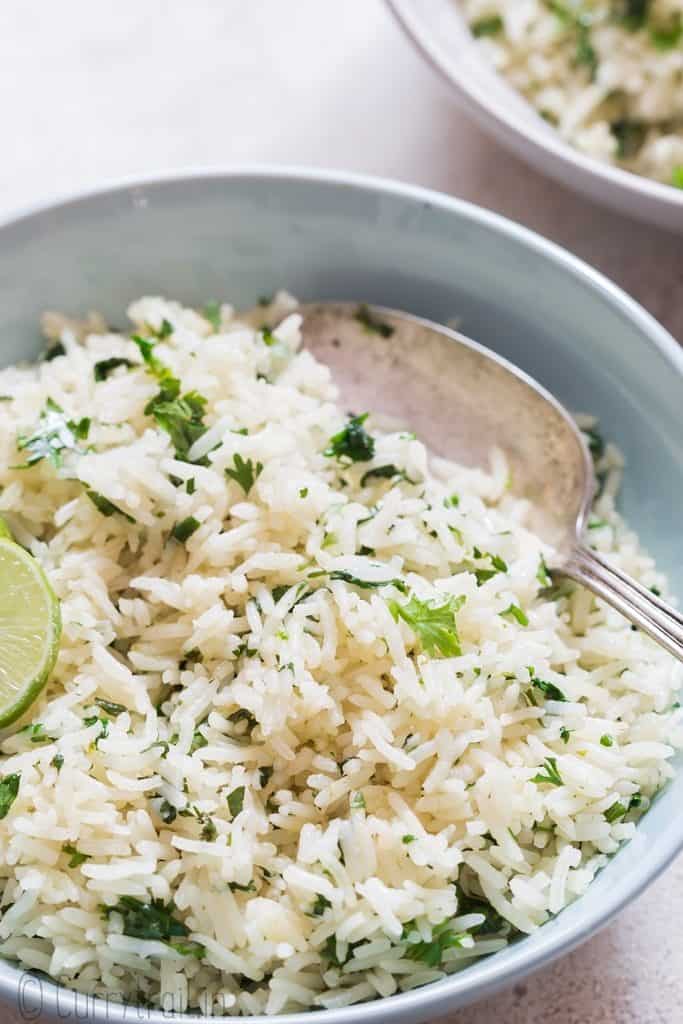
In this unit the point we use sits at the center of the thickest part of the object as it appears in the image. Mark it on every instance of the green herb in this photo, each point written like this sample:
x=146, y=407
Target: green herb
x=153, y=921
x=492, y=924
x=565, y=734
x=167, y=812
x=57, y=761
x=265, y=774
x=212, y=313
x=236, y=887
x=36, y=733
x=110, y=706
x=630, y=136
x=168, y=383
x=53, y=436
x=352, y=442
x=358, y=801
x=165, y=331
x=542, y=574
x=381, y=473
x=552, y=776
x=632, y=14
x=183, y=530
x=236, y=801
x=667, y=35
x=616, y=811
x=434, y=624
x=372, y=323
x=516, y=612
x=606, y=741
x=320, y=906
x=303, y=493
x=76, y=856
x=105, y=506
x=597, y=524
x=245, y=473
x=483, y=575
x=551, y=691
x=268, y=337
x=209, y=830
x=347, y=577
x=102, y=369
x=407, y=839
x=9, y=787
x=431, y=953
x=677, y=177
x=54, y=351
x=579, y=21
x=183, y=421
x=103, y=723
x=194, y=949
x=488, y=26
x=198, y=741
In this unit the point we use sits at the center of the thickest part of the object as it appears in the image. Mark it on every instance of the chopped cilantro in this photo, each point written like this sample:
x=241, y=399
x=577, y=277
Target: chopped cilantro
x=9, y=787
x=579, y=21
x=153, y=921
x=190, y=486
x=76, y=856
x=167, y=812
x=57, y=761
x=372, y=323
x=244, y=472
x=352, y=442
x=552, y=776
x=616, y=811
x=165, y=331
x=565, y=734
x=182, y=419
x=492, y=924
x=434, y=624
x=632, y=14
x=265, y=774
x=105, y=506
x=53, y=351
x=237, y=887
x=630, y=136
x=104, y=367
x=110, y=706
x=548, y=689
x=198, y=741
x=268, y=337
x=516, y=612
x=53, y=436
x=358, y=801
x=212, y=313
x=183, y=530
x=194, y=949
x=667, y=35
x=491, y=25
x=235, y=801
x=606, y=741
x=320, y=906
x=542, y=574
x=431, y=952
x=407, y=839
x=303, y=492
x=347, y=577
x=381, y=473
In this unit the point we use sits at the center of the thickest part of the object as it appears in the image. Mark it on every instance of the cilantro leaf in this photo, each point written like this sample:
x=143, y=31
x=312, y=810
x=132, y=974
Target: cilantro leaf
x=53, y=351
x=552, y=776
x=53, y=436
x=110, y=706
x=212, y=313
x=153, y=921
x=667, y=35
x=182, y=419
x=9, y=787
x=57, y=761
x=105, y=506
x=76, y=856
x=630, y=136
x=488, y=26
x=565, y=733
x=236, y=801
x=434, y=624
x=352, y=442
x=516, y=612
x=347, y=577
x=548, y=689
x=168, y=383
x=244, y=472
x=372, y=323
x=431, y=952
x=616, y=811
x=183, y=530
x=381, y=473
x=104, y=367
x=320, y=906
x=542, y=574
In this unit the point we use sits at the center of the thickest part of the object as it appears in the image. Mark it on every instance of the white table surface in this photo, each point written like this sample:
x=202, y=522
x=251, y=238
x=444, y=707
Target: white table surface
x=92, y=90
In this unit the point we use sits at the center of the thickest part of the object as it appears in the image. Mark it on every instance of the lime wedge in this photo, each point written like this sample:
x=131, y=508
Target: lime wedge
x=30, y=628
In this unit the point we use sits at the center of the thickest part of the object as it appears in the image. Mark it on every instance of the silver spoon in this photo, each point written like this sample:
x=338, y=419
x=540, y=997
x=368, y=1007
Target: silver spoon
x=461, y=399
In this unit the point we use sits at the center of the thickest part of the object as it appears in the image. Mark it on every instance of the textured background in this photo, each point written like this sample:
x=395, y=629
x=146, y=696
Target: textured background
x=91, y=90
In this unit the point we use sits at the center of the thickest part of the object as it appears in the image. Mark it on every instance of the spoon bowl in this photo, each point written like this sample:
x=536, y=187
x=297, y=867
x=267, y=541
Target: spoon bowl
x=462, y=399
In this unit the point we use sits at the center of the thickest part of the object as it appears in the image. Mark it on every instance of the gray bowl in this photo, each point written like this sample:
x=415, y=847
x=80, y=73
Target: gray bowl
x=240, y=233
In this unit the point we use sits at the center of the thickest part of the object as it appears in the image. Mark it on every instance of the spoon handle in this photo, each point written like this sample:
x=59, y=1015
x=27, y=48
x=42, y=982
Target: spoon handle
x=639, y=605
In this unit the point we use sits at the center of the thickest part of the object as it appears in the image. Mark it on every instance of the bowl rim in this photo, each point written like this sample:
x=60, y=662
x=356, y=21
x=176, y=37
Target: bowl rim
x=532, y=132
x=36, y=995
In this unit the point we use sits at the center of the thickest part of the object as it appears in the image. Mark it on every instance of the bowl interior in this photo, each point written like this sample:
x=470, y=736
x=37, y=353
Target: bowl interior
x=241, y=235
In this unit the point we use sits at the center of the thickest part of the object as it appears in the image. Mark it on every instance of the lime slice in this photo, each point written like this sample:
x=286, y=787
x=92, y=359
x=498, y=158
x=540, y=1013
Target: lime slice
x=30, y=628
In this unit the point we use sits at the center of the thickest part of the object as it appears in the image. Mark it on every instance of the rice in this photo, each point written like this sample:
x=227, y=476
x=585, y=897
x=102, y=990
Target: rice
x=608, y=74
x=319, y=730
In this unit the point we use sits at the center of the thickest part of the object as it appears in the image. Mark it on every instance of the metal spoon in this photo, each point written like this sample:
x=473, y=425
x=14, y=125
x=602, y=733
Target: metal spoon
x=461, y=399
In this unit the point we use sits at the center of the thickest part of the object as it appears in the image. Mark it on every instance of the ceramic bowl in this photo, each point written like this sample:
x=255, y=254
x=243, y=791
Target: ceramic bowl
x=439, y=30
x=241, y=233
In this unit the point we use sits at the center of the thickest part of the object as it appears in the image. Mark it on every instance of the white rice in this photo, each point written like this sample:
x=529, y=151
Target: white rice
x=396, y=783
x=607, y=73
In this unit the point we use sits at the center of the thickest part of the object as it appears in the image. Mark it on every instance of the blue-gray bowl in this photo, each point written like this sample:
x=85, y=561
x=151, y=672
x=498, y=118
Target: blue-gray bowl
x=240, y=233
